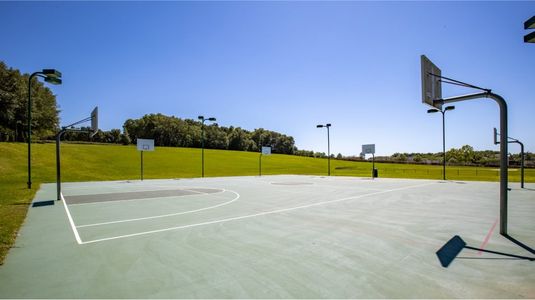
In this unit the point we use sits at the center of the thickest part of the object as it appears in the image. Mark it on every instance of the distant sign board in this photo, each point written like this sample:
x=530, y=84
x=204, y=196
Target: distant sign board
x=266, y=150
x=368, y=149
x=145, y=145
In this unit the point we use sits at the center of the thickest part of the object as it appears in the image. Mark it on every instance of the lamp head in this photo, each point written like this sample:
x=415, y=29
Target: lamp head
x=319, y=126
x=53, y=80
x=449, y=107
x=328, y=125
x=433, y=110
x=52, y=73
x=211, y=119
x=200, y=118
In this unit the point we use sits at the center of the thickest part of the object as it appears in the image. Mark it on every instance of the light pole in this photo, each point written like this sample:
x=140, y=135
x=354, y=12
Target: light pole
x=434, y=110
x=51, y=76
x=328, y=147
x=202, y=139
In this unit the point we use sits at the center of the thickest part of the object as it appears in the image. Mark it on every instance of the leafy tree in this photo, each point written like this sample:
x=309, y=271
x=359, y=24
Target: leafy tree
x=238, y=139
x=9, y=127
x=320, y=154
x=125, y=137
x=13, y=106
x=115, y=135
x=304, y=153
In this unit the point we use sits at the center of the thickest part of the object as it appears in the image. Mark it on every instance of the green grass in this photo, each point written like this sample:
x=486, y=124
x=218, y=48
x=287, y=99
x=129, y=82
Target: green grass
x=86, y=162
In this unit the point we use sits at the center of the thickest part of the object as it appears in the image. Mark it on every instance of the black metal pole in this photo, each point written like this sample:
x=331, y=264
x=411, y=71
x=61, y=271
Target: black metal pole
x=521, y=165
x=373, y=165
x=54, y=80
x=503, y=162
x=504, y=178
x=443, y=145
x=260, y=158
x=328, y=153
x=30, y=129
x=58, y=164
x=202, y=147
x=521, y=161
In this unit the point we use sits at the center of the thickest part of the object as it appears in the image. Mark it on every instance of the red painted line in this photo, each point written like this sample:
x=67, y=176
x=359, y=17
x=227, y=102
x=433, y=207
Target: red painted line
x=487, y=238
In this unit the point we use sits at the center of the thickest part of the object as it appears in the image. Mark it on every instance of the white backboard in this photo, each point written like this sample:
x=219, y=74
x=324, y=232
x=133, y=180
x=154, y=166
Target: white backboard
x=266, y=150
x=431, y=84
x=368, y=149
x=145, y=145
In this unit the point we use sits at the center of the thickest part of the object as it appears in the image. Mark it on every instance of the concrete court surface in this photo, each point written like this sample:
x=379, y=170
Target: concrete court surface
x=271, y=237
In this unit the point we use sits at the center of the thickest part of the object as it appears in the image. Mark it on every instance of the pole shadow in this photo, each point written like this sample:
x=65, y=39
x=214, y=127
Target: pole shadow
x=519, y=243
x=43, y=203
x=489, y=258
x=447, y=253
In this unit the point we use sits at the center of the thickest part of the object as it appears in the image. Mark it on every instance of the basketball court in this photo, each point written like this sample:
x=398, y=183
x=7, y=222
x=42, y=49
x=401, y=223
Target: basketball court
x=271, y=237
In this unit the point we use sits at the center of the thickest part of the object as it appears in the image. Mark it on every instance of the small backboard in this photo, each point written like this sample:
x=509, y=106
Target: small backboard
x=94, y=119
x=145, y=145
x=431, y=84
x=266, y=150
x=368, y=149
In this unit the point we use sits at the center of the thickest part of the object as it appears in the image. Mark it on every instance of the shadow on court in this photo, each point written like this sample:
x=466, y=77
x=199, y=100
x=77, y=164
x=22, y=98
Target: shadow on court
x=456, y=244
x=43, y=203
x=519, y=243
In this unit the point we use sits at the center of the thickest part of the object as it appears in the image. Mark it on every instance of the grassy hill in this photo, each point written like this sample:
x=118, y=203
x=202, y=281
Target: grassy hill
x=87, y=162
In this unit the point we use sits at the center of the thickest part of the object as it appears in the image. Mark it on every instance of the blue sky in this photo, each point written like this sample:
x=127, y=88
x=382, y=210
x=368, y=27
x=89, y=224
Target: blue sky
x=285, y=66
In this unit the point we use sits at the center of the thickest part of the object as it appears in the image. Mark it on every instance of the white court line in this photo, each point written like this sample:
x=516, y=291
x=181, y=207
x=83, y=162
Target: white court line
x=76, y=235
x=254, y=215
x=351, y=187
x=166, y=215
x=143, y=199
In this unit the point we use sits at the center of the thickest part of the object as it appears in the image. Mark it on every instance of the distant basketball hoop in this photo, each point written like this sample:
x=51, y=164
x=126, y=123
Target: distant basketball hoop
x=142, y=146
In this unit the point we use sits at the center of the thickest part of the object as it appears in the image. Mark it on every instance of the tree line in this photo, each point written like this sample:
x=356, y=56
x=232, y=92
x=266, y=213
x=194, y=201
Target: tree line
x=14, y=107
x=165, y=130
x=171, y=131
x=175, y=132
x=465, y=156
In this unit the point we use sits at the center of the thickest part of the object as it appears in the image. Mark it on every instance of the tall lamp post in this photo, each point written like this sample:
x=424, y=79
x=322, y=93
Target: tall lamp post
x=434, y=110
x=328, y=147
x=51, y=76
x=202, y=139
